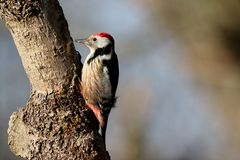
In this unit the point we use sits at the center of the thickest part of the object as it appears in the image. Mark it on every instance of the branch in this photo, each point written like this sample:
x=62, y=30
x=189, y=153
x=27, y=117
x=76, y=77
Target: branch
x=54, y=124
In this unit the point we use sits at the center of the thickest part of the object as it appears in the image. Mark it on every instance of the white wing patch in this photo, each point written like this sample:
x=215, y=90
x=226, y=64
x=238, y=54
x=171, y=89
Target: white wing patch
x=106, y=56
x=106, y=82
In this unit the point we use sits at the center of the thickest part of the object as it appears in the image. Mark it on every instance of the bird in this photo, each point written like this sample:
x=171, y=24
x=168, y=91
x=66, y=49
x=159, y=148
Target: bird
x=99, y=78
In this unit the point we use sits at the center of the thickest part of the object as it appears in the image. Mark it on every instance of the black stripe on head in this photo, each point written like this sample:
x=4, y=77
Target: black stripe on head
x=100, y=51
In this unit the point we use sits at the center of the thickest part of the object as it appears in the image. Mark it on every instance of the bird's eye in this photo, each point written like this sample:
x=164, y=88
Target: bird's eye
x=94, y=39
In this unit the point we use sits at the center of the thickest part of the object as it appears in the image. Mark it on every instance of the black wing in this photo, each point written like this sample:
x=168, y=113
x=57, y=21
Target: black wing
x=113, y=69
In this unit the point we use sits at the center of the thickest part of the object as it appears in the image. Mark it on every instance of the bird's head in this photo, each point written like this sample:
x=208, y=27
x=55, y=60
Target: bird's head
x=97, y=40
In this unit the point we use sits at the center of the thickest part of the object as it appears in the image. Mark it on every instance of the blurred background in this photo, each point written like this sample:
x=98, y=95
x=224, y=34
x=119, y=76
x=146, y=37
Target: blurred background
x=179, y=89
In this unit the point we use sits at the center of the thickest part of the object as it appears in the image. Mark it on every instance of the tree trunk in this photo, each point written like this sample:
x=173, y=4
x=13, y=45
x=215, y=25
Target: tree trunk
x=54, y=124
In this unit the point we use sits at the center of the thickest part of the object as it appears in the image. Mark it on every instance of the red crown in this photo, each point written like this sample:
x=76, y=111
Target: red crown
x=104, y=34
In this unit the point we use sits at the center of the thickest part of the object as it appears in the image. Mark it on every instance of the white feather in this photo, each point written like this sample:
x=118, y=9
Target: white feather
x=102, y=42
x=106, y=82
x=89, y=56
x=106, y=56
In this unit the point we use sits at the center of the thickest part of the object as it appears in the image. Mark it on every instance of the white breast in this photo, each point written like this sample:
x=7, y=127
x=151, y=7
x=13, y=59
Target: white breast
x=96, y=83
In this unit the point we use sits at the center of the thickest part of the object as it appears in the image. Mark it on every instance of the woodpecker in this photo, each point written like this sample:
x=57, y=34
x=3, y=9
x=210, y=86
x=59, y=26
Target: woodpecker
x=99, y=79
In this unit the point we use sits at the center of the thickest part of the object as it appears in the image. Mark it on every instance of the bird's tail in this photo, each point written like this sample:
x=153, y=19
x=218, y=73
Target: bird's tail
x=105, y=111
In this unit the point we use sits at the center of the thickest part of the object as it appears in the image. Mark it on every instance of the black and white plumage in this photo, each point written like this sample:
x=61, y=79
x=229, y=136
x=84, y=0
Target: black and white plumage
x=100, y=74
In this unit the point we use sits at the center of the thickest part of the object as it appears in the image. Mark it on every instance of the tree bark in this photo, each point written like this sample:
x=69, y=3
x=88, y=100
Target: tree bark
x=54, y=124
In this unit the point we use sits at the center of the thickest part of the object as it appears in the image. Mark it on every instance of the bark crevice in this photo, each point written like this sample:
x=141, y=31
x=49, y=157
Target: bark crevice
x=54, y=124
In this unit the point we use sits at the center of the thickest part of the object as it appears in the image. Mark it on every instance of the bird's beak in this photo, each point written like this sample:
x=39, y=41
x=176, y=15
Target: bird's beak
x=83, y=41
